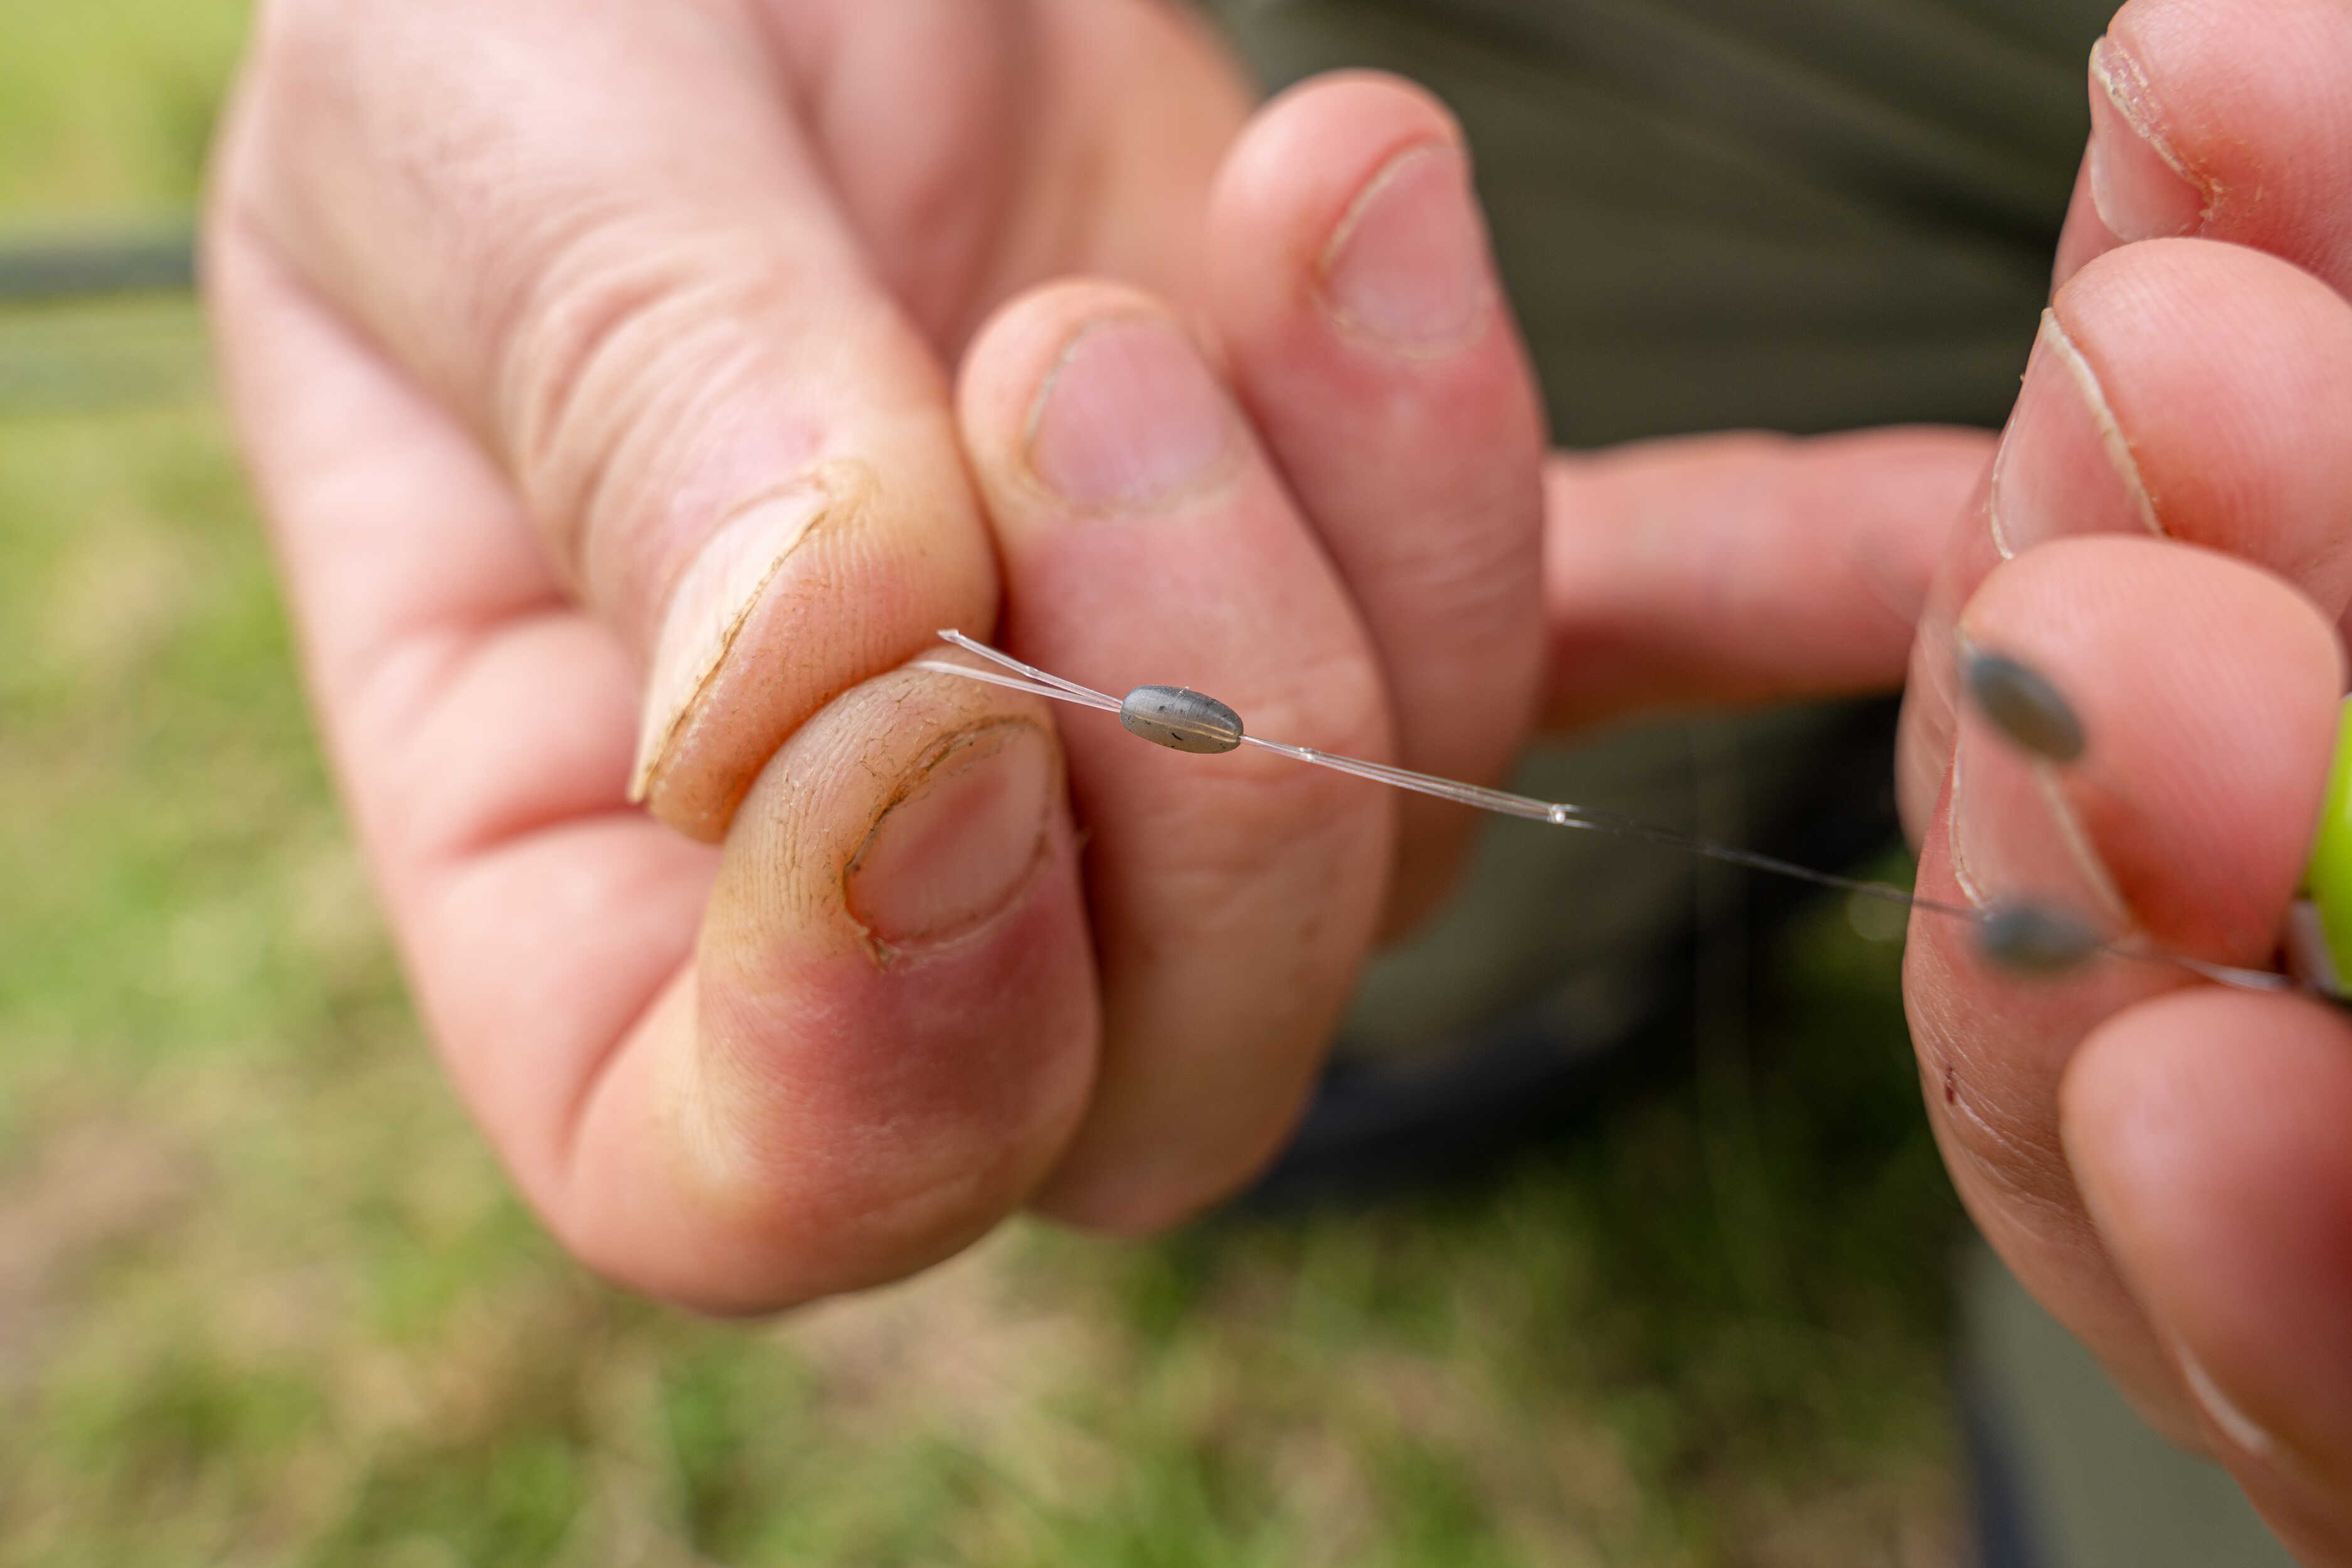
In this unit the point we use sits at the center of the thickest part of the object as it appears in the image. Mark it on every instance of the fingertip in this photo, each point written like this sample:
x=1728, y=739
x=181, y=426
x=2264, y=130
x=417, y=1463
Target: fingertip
x=2207, y=691
x=1350, y=252
x=2205, y=1131
x=2227, y=117
x=889, y=1034
x=1298, y=171
x=1289, y=144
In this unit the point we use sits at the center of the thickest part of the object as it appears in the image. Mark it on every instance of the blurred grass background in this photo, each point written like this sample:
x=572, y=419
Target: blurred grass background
x=265, y=1300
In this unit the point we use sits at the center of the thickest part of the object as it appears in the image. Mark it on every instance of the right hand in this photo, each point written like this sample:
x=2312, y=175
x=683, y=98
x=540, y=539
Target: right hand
x=593, y=363
x=2163, y=536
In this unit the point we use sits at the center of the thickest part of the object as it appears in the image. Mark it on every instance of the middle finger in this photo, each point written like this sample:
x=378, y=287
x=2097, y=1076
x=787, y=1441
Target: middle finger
x=1147, y=540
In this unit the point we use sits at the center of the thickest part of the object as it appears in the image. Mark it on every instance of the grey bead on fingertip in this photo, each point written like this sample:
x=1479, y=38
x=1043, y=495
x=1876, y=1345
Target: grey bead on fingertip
x=2021, y=703
x=2033, y=939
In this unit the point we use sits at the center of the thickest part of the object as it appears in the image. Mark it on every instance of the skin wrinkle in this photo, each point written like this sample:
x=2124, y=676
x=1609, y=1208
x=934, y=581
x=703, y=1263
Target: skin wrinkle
x=1993, y=1149
x=410, y=674
x=462, y=156
x=668, y=467
x=572, y=316
x=597, y=279
x=2033, y=1180
x=511, y=826
x=1215, y=890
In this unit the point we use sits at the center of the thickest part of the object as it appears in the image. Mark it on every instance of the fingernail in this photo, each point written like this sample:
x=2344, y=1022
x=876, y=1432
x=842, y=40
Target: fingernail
x=2064, y=465
x=2021, y=704
x=2138, y=184
x=708, y=610
x=1129, y=419
x=959, y=843
x=1408, y=264
x=2017, y=843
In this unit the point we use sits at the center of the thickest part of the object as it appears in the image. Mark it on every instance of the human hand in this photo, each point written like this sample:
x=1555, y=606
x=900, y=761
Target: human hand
x=2163, y=537
x=593, y=364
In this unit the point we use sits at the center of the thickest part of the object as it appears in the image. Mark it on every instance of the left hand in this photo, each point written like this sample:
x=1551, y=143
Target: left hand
x=547, y=330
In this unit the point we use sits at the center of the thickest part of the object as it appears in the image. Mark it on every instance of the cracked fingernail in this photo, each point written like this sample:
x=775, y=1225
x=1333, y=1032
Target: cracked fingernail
x=2140, y=184
x=708, y=610
x=2064, y=466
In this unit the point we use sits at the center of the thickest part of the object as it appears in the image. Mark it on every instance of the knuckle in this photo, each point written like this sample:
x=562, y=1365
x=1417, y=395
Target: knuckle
x=624, y=329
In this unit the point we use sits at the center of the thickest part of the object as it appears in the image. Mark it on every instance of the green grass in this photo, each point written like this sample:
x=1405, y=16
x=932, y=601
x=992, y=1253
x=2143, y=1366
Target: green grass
x=265, y=1300
x=108, y=103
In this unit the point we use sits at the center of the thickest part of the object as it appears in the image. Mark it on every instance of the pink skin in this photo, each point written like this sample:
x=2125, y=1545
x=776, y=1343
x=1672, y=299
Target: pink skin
x=2155, y=1158
x=1233, y=898
x=1384, y=375
x=570, y=354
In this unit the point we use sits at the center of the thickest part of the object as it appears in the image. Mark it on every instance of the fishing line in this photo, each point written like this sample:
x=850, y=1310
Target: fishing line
x=2020, y=936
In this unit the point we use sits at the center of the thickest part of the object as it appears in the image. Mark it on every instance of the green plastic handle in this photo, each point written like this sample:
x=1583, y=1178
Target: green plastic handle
x=2327, y=880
